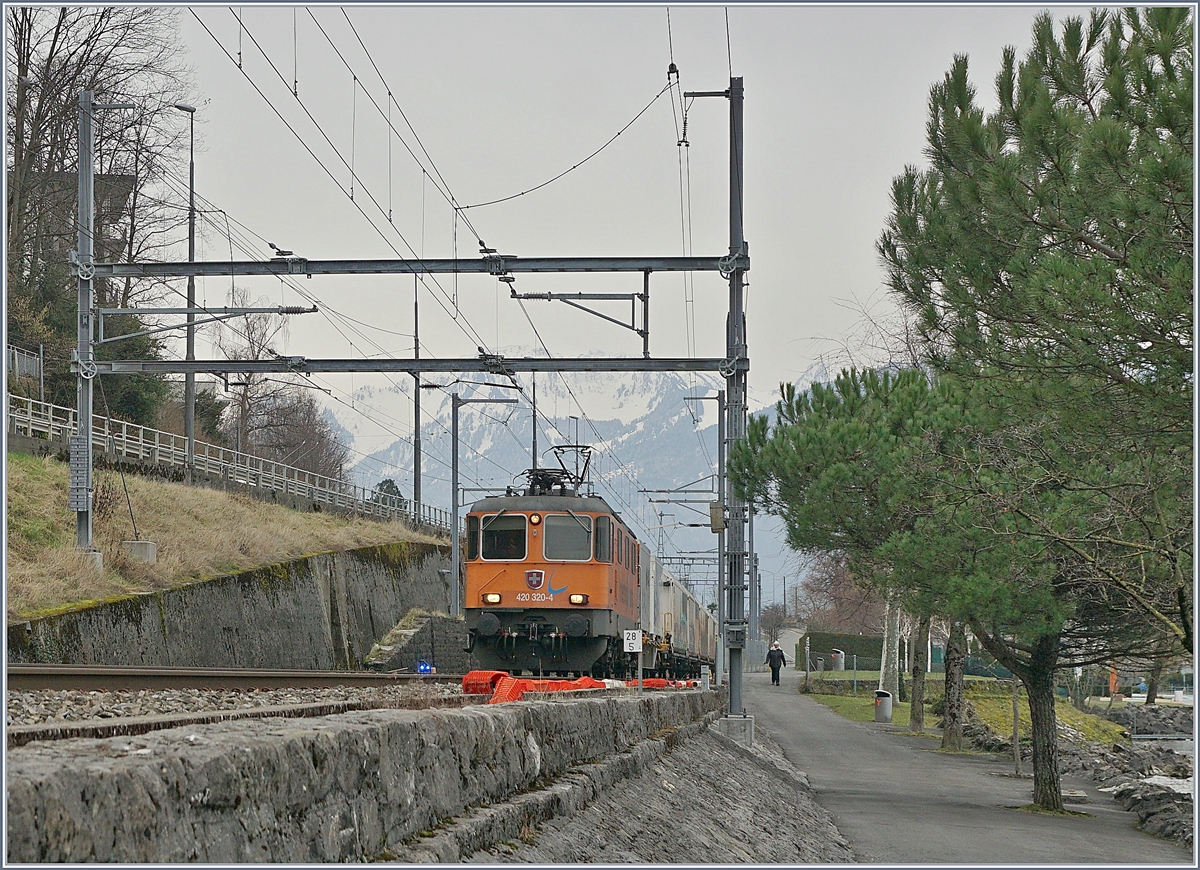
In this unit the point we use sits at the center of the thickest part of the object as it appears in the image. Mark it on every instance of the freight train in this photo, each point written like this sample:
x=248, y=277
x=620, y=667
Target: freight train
x=553, y=579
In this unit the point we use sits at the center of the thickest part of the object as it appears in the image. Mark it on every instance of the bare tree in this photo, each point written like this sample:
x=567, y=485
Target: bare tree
x=772, y=620
x=122, y=54
x=270, y=416
x=835, y=601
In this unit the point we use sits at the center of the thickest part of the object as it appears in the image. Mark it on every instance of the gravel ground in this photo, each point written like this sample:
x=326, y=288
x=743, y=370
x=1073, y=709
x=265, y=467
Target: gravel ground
x=709, y=801
x=32, y=708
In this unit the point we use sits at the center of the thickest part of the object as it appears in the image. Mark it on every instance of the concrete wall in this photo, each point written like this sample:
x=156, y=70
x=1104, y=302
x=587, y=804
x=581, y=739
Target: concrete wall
x=337, y=788
x=320, y=612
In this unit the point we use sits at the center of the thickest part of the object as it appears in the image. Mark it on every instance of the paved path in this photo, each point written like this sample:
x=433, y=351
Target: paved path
x=898, y=801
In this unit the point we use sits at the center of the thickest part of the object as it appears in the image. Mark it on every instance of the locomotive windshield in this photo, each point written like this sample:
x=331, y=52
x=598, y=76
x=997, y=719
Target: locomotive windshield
x=568, y=538
x=603, y=539
x=504, y=536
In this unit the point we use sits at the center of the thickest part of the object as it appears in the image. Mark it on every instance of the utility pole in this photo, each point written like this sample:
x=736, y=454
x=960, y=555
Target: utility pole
x=416, y=407
x=717, y=523
x=80, y=493
x=753, y=579
x=455, y=556
x=735, y=388
x=722, y=566
x=79, y=496
x=189, y=378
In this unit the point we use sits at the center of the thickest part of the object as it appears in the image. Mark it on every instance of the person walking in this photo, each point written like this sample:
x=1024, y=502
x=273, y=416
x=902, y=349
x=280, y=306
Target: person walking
x=776, y=659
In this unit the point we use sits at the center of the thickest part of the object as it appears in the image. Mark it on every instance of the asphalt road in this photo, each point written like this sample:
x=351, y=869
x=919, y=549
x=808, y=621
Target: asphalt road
x=897, y=801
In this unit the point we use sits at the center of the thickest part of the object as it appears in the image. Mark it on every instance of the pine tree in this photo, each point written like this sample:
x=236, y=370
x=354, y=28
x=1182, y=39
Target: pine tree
x=1047, y=257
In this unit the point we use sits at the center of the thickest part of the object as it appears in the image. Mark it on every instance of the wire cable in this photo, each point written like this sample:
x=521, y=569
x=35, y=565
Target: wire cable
x=444, y=188
x=468, y=329
x=645, y=108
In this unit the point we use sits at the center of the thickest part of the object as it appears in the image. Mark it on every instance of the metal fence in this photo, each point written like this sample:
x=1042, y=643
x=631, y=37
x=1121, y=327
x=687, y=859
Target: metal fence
x=35, y=419
x=23, y=363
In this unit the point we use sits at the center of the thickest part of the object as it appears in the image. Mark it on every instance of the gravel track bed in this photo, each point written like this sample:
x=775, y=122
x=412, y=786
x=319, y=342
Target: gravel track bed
x=48, y=706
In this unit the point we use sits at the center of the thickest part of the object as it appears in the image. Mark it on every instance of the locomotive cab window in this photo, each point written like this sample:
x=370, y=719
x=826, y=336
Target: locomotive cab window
x=603, y=539
x=504, y=536
x=472, y=538
x=568, y=538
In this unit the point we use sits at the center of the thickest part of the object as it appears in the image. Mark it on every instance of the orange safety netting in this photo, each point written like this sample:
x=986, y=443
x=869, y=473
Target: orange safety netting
x=503, y=687
x=482, y=682
x=660, y=683
x=514, y=688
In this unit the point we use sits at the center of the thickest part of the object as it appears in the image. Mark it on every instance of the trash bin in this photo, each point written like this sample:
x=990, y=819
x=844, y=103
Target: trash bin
x=1177, y=696
x=820, y=663
x=883, y=706
x=839, y=660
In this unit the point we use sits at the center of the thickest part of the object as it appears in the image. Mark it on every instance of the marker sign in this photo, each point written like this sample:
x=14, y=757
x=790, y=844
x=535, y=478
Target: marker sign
x=633, y=640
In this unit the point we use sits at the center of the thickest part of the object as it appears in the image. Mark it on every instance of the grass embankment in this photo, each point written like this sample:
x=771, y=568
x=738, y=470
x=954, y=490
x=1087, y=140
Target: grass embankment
x=199, y=533
x=996, y=712
x=993, y=706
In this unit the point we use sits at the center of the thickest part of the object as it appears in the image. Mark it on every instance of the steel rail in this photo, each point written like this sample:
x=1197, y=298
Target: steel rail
x=127, y=726
x=33, y=677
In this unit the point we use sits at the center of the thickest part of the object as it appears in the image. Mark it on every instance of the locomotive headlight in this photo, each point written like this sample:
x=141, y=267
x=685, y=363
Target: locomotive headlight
x=491, y=598
x=579, y=598
x=534, y=519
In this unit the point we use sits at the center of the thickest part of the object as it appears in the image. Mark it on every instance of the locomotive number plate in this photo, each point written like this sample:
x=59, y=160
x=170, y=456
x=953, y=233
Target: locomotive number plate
x=535, y=596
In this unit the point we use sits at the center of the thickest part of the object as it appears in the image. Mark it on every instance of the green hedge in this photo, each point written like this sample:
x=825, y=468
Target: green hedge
x=822, y=643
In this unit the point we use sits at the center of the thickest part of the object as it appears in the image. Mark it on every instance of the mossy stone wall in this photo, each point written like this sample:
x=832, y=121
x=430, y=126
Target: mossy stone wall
x=322, y=611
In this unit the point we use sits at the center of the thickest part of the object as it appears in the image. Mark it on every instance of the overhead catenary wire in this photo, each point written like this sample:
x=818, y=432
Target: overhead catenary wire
x=441, y=186
x=565, y=172
x=602, y=442
x=464, y=324
x=621, y=466
x=250, y=251
x=457, y=311
x=375, y=411
x=683, y=152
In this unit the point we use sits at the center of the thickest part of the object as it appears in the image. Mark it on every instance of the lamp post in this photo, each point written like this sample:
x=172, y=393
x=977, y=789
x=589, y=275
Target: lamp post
x=455, y=556
x=189, y=379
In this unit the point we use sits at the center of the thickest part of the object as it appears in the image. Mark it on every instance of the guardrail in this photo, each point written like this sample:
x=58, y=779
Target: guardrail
x=35, y=419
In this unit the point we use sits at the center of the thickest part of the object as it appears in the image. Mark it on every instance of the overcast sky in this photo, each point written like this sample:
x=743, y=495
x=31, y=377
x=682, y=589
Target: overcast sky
x=504, y=98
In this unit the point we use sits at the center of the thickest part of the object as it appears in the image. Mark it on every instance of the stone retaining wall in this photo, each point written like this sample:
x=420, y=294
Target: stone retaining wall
x=320, y=612
x=337, y=788
x=438, y=641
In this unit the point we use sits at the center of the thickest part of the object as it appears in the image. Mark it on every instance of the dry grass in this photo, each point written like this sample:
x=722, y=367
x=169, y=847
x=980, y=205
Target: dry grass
x=199, y=533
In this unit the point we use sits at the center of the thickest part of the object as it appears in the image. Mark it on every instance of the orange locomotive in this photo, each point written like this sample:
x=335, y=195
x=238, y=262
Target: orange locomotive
x=551, y=581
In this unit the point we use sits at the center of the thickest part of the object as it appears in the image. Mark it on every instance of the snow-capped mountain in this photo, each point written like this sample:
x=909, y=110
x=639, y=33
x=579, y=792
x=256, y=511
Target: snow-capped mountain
x=644, y=431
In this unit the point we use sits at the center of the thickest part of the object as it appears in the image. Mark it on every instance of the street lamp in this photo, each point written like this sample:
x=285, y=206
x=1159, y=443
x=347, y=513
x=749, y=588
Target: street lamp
x=189, y=379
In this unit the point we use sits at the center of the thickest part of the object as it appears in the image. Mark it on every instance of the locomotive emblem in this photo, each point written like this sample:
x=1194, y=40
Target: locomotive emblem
x=535, y=579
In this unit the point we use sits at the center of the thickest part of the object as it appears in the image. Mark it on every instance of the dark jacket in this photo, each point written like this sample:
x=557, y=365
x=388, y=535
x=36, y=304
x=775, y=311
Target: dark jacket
x=775, y=658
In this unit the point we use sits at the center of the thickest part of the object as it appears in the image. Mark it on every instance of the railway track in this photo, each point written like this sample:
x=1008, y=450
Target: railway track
x=392, y=691
x=101, y=678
